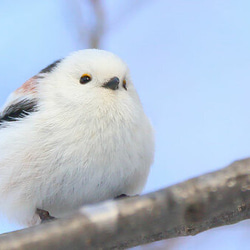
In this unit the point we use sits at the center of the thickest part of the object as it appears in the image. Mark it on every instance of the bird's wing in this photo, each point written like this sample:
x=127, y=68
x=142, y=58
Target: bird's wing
x=21, y=102
x=24, y=100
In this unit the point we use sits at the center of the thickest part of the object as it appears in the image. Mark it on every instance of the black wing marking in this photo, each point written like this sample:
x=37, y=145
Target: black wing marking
x=49, y=68
x=18, y=111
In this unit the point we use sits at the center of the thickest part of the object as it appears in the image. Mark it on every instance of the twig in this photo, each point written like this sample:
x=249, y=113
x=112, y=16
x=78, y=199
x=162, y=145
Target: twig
x=98, y=31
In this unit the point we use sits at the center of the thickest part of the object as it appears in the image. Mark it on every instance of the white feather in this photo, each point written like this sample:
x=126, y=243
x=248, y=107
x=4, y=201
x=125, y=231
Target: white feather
x=85, y=143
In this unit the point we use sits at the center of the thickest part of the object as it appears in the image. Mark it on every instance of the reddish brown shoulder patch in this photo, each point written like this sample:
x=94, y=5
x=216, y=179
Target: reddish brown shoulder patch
x=29, y=87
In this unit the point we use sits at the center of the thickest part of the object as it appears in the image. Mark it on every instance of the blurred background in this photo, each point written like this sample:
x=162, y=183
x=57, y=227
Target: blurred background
x=189, y=60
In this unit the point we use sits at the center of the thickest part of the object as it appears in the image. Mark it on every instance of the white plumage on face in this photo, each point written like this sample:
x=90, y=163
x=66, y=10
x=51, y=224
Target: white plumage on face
x=80, y=136
x=100, y=66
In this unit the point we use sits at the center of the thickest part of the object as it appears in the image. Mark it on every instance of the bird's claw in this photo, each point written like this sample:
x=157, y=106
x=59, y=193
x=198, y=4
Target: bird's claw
x=44, y=215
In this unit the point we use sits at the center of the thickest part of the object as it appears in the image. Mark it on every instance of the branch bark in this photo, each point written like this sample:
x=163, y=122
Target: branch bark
x=211, y=200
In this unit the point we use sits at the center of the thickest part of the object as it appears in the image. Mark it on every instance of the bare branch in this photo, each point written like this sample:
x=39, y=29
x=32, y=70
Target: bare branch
x=212, y=200
x=93, y=26
x=89, y=21
x=98, y=31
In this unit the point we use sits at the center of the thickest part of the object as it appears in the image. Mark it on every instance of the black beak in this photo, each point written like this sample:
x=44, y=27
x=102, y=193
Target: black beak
x=113, y=83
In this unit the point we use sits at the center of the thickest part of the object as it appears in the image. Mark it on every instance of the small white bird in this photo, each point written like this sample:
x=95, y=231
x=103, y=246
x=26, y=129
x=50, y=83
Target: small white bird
x=73, y=134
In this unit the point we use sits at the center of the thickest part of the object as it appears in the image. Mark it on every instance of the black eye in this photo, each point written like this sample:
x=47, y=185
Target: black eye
x=85, y=78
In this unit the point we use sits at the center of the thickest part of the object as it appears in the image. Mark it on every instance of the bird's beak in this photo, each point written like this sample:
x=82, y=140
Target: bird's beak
x=113, y=83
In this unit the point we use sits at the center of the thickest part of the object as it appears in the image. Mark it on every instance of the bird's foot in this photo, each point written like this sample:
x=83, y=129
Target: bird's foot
x=125, y=196
x=121, y=196
x=44, y=215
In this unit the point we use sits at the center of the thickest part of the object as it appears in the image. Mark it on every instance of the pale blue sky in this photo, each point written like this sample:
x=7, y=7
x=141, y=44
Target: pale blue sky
x=190, y=63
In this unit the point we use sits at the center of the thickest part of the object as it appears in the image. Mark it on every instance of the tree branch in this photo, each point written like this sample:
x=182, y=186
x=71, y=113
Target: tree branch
x=90, y=27
x=211, y=200
x=98, y=31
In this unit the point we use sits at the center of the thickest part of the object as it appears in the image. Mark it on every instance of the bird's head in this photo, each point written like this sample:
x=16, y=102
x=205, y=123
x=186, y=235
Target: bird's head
x=88, y=74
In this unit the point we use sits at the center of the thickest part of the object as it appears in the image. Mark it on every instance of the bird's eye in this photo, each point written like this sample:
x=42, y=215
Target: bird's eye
x=85, y=78
x=124, y=84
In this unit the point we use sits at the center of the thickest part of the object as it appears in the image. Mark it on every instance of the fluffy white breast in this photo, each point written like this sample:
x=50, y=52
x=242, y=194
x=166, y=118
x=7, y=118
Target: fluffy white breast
x=86, y=143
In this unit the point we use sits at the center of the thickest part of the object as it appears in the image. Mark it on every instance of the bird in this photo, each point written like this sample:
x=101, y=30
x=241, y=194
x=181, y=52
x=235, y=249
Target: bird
x=74, y=134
